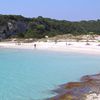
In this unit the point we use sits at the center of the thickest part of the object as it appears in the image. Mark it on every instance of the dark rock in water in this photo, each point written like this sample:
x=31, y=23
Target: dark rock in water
x=78, y=90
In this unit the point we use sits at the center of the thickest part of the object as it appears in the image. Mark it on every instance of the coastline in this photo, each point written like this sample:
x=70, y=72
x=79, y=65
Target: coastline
x=75, y=47
x=86, y=85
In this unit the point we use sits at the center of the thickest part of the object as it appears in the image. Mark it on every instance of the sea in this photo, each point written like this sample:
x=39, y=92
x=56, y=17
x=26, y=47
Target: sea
x=33, y=74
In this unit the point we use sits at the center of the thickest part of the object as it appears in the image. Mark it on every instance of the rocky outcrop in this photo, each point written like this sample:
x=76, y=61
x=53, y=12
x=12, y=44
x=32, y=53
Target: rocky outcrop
x=12, y=28
x=88, y=87
x=11, y=25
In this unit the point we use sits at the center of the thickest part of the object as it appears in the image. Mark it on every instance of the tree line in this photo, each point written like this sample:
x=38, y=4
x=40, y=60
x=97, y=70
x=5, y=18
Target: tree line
x=21, y=27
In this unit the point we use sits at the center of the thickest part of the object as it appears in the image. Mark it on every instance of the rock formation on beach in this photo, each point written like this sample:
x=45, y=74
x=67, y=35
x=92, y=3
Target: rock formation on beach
x=87, y=89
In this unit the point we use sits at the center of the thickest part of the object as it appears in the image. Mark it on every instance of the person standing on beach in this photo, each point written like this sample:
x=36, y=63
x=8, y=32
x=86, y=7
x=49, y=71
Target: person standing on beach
x=66, y=43
x=34, y=45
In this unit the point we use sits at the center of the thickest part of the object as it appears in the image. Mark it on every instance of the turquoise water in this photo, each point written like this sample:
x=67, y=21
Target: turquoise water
x=31, y=74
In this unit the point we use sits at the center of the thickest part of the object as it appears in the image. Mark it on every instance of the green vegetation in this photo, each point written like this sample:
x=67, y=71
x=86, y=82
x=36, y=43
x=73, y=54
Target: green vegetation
x=21, y=27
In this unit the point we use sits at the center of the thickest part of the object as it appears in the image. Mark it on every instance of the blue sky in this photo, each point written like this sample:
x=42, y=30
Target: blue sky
x=72, y=10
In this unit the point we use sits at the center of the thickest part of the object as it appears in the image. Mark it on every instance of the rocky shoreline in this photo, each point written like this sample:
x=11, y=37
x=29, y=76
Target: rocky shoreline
x=87, y=89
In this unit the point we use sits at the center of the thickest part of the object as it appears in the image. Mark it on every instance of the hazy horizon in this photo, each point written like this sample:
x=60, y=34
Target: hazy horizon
x=73, y=10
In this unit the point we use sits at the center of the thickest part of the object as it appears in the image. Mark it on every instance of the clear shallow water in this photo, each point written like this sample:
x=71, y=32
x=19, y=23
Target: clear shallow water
x=30, y=75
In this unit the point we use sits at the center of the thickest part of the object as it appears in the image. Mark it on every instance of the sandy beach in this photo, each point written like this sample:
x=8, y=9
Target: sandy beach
x=78, y=47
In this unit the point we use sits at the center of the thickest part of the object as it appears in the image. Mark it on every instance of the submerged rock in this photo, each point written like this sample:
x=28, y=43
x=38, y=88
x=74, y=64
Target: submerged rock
x=87, y=89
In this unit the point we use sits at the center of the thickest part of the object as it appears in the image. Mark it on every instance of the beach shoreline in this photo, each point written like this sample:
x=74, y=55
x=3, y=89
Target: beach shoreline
x=75, y=47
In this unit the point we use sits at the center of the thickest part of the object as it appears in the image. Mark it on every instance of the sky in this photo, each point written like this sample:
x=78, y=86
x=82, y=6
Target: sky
x=72, y=10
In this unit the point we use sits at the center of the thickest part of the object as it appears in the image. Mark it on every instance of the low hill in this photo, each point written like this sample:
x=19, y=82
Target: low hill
x=21, y=27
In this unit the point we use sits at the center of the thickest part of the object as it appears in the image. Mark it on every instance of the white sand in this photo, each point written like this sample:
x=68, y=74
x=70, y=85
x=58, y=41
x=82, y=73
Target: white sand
x=79, y=47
